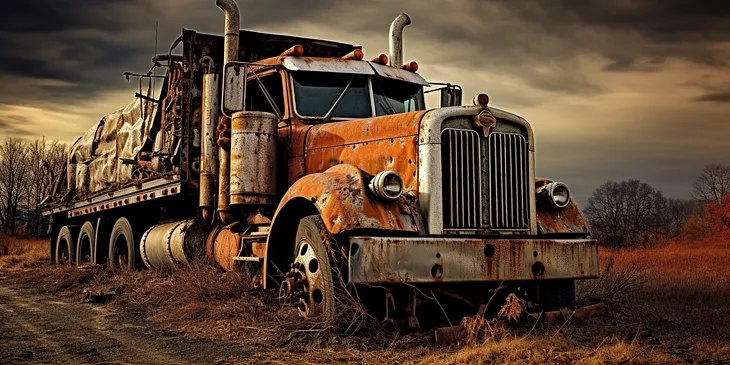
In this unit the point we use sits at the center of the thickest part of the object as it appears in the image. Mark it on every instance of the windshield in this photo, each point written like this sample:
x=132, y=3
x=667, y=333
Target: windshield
x=316, y=92
x=394, y=96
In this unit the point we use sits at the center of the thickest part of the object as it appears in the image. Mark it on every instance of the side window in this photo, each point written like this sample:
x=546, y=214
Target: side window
x=256, y=99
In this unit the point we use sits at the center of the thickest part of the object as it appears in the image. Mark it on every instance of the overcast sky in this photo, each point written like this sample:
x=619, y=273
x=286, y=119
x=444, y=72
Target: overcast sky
x=614, y=90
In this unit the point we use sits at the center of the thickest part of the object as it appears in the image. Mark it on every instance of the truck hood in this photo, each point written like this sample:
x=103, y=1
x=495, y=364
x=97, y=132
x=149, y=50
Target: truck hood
x=373, y=145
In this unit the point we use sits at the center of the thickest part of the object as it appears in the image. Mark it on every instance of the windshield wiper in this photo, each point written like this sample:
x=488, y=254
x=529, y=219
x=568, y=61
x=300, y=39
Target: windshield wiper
x=339, y=99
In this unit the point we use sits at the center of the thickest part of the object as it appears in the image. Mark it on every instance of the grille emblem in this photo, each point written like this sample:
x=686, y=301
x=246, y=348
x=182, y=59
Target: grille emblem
x=486, y=120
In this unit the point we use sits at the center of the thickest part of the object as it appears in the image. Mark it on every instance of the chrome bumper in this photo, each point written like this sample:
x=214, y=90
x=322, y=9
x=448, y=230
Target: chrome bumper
x=378, y=260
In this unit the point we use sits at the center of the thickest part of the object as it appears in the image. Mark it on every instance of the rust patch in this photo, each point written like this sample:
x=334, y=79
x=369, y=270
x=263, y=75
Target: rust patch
x=341, y=197
x=567, y=220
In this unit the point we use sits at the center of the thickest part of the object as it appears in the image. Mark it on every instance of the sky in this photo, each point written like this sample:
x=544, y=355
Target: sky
x=614, y=90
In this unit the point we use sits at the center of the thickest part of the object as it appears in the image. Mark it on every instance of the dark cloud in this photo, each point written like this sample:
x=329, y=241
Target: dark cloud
x=86, y=44
x=10, y=126
x=719, y=96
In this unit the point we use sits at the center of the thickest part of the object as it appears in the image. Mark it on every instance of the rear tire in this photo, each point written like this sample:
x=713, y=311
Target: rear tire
x=122, y=247
x=85, y=245
x=64, y=246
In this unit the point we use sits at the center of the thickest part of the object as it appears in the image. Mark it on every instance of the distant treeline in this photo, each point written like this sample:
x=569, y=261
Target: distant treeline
x=634, y=213
x=26, y=171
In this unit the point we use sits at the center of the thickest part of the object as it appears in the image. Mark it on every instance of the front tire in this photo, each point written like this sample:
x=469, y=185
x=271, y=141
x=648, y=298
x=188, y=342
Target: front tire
x=310, y=279
x=122, y=248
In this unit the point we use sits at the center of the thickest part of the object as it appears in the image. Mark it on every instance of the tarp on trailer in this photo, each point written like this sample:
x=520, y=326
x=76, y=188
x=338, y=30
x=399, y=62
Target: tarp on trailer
x=101, y=153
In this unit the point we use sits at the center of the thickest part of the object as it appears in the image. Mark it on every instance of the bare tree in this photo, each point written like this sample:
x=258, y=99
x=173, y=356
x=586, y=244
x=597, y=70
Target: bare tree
x=13, y=180
x=625, y=213
x=45, y=158
x=712, y=184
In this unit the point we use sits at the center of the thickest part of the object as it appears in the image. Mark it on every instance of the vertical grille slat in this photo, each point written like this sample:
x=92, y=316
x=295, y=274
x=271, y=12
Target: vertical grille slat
x=508, y=183
x=461, y=169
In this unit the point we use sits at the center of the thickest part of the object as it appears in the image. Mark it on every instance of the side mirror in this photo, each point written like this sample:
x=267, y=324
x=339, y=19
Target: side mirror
x=451, y=95
x=234, y=82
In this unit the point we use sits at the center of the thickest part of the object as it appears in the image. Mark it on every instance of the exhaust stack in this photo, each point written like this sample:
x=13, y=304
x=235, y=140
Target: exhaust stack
x=396, y=39
x=230, y=53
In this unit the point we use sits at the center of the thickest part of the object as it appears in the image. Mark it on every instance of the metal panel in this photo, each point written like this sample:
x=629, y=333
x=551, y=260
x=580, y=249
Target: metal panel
x=154, y=189
x=327, y=65
x=508, y=181
x=461, y=156
x=437, y=259
x=398, y=74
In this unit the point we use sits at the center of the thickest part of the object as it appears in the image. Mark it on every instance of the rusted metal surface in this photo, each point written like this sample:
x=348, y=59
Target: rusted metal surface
x=373, y=145
x=332, y=65
x=253, y=158
x=447, y=336
x=567, y=220
x=170, y=245
x=398, y=73
x=440, y=259
x=222, y=245
x=565, y=315
x=340, y=194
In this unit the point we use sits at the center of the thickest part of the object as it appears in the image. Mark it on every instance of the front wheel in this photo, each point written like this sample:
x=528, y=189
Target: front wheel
x=308, y=283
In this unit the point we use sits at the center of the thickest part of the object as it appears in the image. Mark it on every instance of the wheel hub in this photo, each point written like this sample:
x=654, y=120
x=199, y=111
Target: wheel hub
x=304, y=283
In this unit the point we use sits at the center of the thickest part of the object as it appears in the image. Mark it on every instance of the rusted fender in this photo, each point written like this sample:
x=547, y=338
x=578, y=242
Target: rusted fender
x=340, y=195
x=567, y=220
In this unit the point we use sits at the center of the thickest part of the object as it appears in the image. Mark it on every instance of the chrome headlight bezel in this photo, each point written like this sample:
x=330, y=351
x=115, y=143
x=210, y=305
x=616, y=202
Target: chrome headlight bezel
x=556, y=195
x=382, y=185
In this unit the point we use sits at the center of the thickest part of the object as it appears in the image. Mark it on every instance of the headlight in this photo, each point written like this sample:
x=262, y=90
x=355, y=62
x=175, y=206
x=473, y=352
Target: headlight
x=557, y=195
x=387, y=185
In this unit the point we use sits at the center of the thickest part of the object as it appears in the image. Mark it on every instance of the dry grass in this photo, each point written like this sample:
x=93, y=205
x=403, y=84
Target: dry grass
x=15, y=252
x=667, y=305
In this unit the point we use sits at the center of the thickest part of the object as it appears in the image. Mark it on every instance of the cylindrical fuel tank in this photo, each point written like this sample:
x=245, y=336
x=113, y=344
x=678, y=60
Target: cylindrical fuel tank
x=169, y=245
x=253, y=158
x=209, y=161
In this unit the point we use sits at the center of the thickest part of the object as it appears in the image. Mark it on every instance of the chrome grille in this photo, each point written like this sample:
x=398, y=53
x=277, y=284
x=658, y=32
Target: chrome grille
x=508, y=181
x=462, y=171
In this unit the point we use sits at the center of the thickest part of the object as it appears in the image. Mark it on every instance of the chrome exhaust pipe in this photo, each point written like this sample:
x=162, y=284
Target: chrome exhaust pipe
x=396, y=39
x=230, y=53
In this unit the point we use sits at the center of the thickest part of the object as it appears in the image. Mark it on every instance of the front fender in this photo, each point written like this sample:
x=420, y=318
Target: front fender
x=341, y=197
x=567, y=220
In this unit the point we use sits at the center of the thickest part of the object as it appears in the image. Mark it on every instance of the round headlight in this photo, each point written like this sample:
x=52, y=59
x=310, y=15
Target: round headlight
x=557, y=194
x=387, y=185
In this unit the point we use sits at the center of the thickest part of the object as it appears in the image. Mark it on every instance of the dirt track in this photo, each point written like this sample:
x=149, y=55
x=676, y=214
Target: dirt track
x=38, y=328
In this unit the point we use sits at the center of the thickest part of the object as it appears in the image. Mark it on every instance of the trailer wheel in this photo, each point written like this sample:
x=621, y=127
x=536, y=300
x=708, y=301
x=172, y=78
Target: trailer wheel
x=85, y=245
x=122, y=251
x=309, y=282
x=64, y=246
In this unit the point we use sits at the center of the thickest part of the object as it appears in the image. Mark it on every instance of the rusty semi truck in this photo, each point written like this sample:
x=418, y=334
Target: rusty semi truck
x=298, y=156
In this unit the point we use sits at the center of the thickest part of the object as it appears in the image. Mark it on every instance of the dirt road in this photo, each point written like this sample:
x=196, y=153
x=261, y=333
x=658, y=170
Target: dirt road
x=38, y=328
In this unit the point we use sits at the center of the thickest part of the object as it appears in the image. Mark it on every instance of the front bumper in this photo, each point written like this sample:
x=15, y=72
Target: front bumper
x=379, y=260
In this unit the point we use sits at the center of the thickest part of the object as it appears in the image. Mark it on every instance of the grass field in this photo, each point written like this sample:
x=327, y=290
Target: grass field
x=667, y=304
